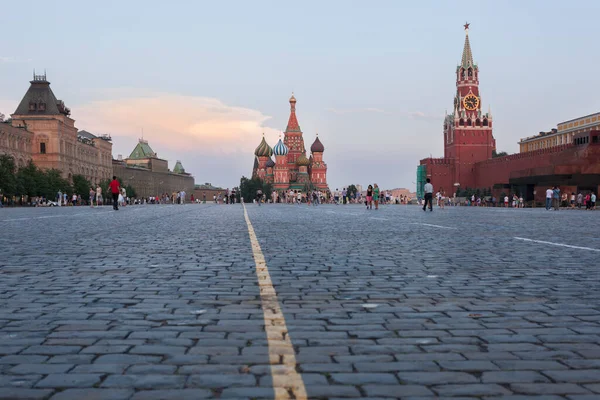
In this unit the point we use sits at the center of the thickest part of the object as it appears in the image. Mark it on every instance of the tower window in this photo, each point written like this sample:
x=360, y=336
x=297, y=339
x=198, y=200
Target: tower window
x=42, y=106
x=42, y=148
x=32, y=106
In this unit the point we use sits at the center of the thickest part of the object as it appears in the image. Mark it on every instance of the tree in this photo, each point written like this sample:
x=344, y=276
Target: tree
x=500, y=154
x=352, y=190
x=81, y=186
x=8, y=181
x=130, y=191
x=249, y=187
x=28, y=180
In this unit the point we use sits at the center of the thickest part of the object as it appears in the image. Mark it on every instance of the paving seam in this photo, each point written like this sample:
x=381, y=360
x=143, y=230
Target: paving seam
x=282, y=357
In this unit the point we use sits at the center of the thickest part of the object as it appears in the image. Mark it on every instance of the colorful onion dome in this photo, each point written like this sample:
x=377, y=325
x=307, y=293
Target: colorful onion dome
x=263, y=149
x=317, y=146
x=280, y=149
x=270, y=163
x=302, y=160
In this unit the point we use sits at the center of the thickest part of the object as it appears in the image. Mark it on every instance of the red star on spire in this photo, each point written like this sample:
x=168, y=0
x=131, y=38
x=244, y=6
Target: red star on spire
x=467, y=26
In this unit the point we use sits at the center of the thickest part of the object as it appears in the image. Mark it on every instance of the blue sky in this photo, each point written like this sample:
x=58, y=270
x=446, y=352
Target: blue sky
x=205, y=79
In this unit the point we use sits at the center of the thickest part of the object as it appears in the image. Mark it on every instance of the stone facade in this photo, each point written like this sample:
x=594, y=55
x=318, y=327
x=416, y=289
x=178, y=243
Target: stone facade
x=16, y=142
x=563, y=134
x=150, y=175
x=56, y=142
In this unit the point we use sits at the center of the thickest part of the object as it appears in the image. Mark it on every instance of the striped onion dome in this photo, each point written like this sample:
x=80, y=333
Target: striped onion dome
x=263, y=149
x=270, y=163
x=280, y=149
x=302, y=160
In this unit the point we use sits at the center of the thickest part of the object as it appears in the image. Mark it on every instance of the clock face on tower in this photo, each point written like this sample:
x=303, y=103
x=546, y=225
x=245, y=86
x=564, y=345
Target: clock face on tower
x=471, y=102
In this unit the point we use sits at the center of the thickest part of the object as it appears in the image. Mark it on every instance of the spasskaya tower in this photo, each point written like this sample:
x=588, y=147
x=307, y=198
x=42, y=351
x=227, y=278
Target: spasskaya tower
x=468, y=137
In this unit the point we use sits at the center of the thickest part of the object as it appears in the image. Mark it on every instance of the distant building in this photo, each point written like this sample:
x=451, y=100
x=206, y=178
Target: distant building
x=564, y=134
x=291, y=168
x=568, y=156
x=54, y=142
x=150, y=175
x=207, y=191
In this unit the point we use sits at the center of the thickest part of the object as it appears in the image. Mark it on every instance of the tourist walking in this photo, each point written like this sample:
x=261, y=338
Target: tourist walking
x=92, y=194
x=59, y=197
x=549, y=195
x=556, y=198
x=573, y=200
x=115, y=190
x=370, y=197
x=579, y=200
x=442, y=198
x=99, y=199
x=593, y=201
x=428, y=190
x=259, y=195
x=376, y=196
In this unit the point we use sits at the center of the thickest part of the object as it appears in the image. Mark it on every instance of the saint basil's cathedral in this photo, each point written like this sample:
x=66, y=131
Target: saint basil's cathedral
x=291, y=168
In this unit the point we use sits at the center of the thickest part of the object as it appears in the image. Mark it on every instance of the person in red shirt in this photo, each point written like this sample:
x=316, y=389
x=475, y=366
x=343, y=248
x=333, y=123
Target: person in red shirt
x=115, y=189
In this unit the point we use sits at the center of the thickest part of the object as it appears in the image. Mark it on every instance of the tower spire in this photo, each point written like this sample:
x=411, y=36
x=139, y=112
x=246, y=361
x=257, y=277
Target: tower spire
x=292, y=125
x=467, y=55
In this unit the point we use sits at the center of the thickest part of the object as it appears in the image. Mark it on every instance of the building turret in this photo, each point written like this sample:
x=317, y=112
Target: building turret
x=293, y=140
x=263, y=153
x=318, y=169
x=281, y=178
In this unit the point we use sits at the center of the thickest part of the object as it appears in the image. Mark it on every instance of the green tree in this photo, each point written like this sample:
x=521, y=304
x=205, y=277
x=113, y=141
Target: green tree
x=53, y=183
x=81, y=186
x=8, y=181
x=249, y=187
x=28, y=179
x=498, y=154
x=352, y=190
x=130, y=191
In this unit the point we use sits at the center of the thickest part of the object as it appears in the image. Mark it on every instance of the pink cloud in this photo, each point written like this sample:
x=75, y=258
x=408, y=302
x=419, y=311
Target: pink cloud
x=177, y=122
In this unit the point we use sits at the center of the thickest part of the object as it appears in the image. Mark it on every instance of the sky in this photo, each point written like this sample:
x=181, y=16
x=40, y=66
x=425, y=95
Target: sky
x=203, y=80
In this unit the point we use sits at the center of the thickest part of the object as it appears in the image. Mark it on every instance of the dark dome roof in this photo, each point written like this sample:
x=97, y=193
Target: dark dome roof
x=270, y=163
x=317, y=146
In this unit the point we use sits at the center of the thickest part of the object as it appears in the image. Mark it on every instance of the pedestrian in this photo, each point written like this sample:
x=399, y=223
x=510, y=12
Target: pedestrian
x=259, y=195
x=428, y=190
x=203, y=197
x=593, y=201
x=376, y=196
x=74, y=199
x=579, y=200
x=505, y=201
x=344, y=194
x=92, y=194
x=99, y=199
x=556, y=198
x=115, y=190
x=59, y=198
x=549, y=195
x=299, y=197
x=442, y=198
x=572, y=200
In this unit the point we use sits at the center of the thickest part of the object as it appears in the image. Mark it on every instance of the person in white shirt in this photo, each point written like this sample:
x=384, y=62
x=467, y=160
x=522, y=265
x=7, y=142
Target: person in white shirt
x=549, y=194
x=428, y=190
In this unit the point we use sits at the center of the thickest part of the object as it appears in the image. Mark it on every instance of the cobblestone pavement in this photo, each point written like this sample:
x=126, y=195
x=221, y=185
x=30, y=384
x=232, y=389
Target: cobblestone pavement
x=163, y=302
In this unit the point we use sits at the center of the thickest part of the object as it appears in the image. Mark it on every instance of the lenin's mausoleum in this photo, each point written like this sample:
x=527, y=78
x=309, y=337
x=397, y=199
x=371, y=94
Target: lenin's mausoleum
x=568, y=156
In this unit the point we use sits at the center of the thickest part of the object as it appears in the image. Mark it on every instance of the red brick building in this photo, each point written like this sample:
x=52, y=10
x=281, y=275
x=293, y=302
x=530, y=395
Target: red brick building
x=469, y=144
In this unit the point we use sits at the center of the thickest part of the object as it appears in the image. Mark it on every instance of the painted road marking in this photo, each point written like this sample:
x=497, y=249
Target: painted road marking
x=432, y=225
x=281, y=352
x=556, y=244
x=380, y=219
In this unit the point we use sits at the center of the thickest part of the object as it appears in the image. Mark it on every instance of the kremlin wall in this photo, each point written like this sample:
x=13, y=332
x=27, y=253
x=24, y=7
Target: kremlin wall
x=568, y=157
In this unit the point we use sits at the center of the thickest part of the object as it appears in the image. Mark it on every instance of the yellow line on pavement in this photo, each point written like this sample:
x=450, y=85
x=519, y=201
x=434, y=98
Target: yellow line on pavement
x=281, y=352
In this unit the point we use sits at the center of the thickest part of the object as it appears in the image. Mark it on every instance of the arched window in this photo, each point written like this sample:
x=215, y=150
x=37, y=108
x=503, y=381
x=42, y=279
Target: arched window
x=470, y=72
x=469, y=122
x=477, y=122
x=461, y=122
x=485, y=122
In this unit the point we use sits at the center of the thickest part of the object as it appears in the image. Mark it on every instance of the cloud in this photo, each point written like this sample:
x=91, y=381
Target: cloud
x=356, y=110
x=10, y=59
x=411, y=114
x=177, y=122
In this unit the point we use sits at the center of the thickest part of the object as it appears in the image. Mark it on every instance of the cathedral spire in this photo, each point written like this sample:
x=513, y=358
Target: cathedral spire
x=292, y=125
x=467, y=56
